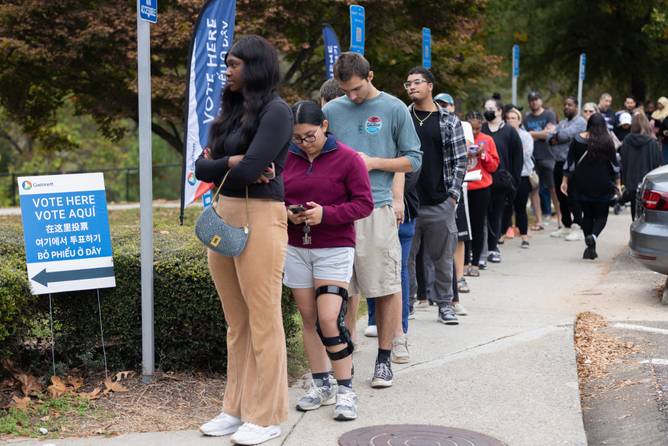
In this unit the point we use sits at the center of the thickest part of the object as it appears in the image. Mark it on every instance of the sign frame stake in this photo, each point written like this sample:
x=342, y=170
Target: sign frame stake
x=104, y=350
x=53, y=338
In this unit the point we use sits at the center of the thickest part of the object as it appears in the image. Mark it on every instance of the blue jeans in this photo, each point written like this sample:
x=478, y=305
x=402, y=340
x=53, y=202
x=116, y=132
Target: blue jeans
x=406, y=233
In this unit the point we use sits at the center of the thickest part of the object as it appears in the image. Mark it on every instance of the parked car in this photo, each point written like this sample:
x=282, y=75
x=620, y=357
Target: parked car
x=649, y=231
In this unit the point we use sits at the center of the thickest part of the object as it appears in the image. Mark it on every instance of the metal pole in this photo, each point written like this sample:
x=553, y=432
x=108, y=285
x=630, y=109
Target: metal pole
x=145, y=195
x=104, y=349
x=579, y=94
x=53, y=337
x=581, y=76
x=514, y=90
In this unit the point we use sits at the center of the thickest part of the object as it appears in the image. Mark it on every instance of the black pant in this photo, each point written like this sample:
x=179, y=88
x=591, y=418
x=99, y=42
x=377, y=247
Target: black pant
x=478, y=205
x=520, y=204
x=570, y=208
x=595, y=217
x=497, y=203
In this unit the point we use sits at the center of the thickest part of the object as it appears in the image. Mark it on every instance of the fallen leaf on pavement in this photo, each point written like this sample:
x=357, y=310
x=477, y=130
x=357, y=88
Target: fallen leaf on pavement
x=58, y=387
x=21, y=403
x=29, y=384
x=112, y=386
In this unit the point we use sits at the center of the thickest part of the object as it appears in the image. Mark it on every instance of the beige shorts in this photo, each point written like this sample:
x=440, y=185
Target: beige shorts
x=377, y=267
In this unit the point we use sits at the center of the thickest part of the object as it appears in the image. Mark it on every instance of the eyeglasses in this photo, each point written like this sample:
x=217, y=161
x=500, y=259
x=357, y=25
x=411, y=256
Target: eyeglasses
x=306, y=139
x=408, y=84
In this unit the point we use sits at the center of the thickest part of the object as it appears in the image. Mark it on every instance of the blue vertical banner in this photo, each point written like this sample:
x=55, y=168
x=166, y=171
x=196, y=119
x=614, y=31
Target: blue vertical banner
x=357, y=30
x=332, y=49
x=212, y=39
x=426, y=48
x=583, y=66
x=516, y=60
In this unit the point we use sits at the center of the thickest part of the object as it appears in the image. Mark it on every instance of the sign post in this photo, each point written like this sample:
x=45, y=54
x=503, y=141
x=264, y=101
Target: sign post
x=581, y=78
x=516, y=71
x=146, y=185
x=426, y=48
x=357, y=29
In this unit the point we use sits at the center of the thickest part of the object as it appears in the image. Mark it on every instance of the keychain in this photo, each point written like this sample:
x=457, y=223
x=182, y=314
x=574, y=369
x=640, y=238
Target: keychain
x=306, y=240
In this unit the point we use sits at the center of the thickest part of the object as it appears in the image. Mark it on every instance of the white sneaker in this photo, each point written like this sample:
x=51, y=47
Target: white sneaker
x=459, y=309
x=371, y=331
x=223, y=424
x=561, y=232
x=250, y=433
x=400, y=353
x=422, y=305
x=575, y=235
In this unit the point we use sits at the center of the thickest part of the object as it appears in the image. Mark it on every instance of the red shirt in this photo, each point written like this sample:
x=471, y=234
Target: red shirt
x=487, y=162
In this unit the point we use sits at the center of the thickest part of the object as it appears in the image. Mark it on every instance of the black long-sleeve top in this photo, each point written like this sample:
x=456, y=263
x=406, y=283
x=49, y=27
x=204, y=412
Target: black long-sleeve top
x=269, y=144
x=510, y=150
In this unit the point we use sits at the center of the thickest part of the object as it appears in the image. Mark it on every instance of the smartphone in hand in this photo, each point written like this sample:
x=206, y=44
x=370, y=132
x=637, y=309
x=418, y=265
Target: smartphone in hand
x=270, y=172
x=297, y=208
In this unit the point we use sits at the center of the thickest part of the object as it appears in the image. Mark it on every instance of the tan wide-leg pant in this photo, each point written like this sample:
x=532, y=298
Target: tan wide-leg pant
x=249, y=287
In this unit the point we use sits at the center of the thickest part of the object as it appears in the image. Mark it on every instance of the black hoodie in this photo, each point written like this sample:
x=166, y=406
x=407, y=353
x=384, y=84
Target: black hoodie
x=639, y=155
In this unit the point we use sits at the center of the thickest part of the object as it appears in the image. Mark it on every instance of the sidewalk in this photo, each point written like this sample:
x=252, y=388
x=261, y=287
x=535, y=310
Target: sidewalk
x=508, y=370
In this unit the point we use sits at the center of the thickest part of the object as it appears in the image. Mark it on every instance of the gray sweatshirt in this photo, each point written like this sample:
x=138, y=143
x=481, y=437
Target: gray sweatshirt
x=566, y=131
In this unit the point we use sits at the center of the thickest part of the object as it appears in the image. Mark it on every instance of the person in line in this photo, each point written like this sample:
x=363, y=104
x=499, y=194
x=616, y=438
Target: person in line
x=327, y=189
x=540, y=123
x=514, y=119
x=640, y=153
x=482, y=156
x=439, y=187
x=572, y=124
x=252, y=133
x=329, y=90
x=623, y=127
x=588, y=109
x=380, y=128
x=507, y=176
x=591, y=176
x=660, y=120
x=605, y=108
x=630, y=105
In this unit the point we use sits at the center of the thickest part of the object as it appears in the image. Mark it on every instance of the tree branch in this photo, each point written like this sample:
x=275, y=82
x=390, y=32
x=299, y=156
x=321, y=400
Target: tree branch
x=11, y=140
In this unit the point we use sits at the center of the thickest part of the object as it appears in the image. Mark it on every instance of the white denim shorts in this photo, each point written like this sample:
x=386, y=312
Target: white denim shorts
x=303, y=265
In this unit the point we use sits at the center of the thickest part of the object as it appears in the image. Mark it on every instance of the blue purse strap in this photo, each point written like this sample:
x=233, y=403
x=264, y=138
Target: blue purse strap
x=215, y=197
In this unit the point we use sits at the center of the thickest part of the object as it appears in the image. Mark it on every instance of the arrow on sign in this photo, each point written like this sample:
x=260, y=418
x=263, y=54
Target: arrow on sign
x=44, y=277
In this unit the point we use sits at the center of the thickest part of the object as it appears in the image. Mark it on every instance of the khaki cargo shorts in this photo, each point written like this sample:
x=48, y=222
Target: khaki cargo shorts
x=377, y=267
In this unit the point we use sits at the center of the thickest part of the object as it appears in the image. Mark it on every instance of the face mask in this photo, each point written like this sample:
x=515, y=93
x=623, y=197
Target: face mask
x=489, y=115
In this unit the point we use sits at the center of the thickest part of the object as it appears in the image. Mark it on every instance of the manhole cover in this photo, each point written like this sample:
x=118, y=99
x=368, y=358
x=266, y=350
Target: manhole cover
x=415, y=435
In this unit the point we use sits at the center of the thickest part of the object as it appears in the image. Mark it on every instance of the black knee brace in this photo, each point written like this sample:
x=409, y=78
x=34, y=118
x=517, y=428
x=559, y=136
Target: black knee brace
x=344, y=334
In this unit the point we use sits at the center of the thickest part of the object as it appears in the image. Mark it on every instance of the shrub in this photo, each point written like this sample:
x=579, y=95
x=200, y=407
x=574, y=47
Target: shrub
x=189, y=324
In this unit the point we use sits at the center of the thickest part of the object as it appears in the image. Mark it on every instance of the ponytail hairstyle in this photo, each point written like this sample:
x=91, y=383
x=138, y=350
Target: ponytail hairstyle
x=599, y=141
x=307, y=112
x=241, y=109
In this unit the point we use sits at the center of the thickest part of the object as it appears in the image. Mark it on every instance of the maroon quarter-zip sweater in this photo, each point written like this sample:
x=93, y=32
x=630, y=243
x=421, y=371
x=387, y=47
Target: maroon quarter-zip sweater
x=337, y=180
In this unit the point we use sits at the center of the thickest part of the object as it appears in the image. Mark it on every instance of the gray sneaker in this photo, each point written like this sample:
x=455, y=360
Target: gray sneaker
x=346, y=404
x=317, y=396
x=382, y=375
x=400, y=353
x=446, y=315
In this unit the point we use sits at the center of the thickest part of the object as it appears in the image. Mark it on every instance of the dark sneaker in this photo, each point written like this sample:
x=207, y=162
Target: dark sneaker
x=346, y=404
x=494, y=257
x=382, y=375
x=482, y=264
x=317, y=396
x=590, y=252
x=525, y=244
x=447, y=316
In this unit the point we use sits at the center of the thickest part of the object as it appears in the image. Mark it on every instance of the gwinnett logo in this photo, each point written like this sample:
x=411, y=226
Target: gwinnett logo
x=191, y=178
x=26, y=185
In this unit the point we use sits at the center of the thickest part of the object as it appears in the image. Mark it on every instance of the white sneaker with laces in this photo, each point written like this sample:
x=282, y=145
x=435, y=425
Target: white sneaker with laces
x=459, y=309
x=561, y=232
x=400, y=353
x=371, y=331
x=223, y=424
x=576, y=234
x=250, y=434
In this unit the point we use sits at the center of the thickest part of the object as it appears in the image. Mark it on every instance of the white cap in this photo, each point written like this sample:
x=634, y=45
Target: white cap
x=625, y=118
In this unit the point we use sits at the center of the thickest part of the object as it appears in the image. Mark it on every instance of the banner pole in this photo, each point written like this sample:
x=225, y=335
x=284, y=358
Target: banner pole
x=53, y=338
x=104, y=350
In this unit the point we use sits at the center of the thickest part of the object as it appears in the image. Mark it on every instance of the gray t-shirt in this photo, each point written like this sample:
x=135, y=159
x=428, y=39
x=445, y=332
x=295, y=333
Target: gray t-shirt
x=380, y=127
x=536, y=123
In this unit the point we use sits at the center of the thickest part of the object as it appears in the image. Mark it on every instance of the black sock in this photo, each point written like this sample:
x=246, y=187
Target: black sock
x=321, y=379
x=345, y=382
x=384, y=355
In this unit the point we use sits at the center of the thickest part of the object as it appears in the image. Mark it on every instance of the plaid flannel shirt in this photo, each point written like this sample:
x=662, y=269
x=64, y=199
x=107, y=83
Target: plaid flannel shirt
x=454, y=151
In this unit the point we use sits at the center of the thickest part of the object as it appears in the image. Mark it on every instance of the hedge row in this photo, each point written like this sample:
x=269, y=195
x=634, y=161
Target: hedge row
x=189, y=323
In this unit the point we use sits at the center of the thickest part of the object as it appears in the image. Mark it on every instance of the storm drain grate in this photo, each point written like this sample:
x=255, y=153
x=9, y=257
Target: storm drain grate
x=415, y=435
